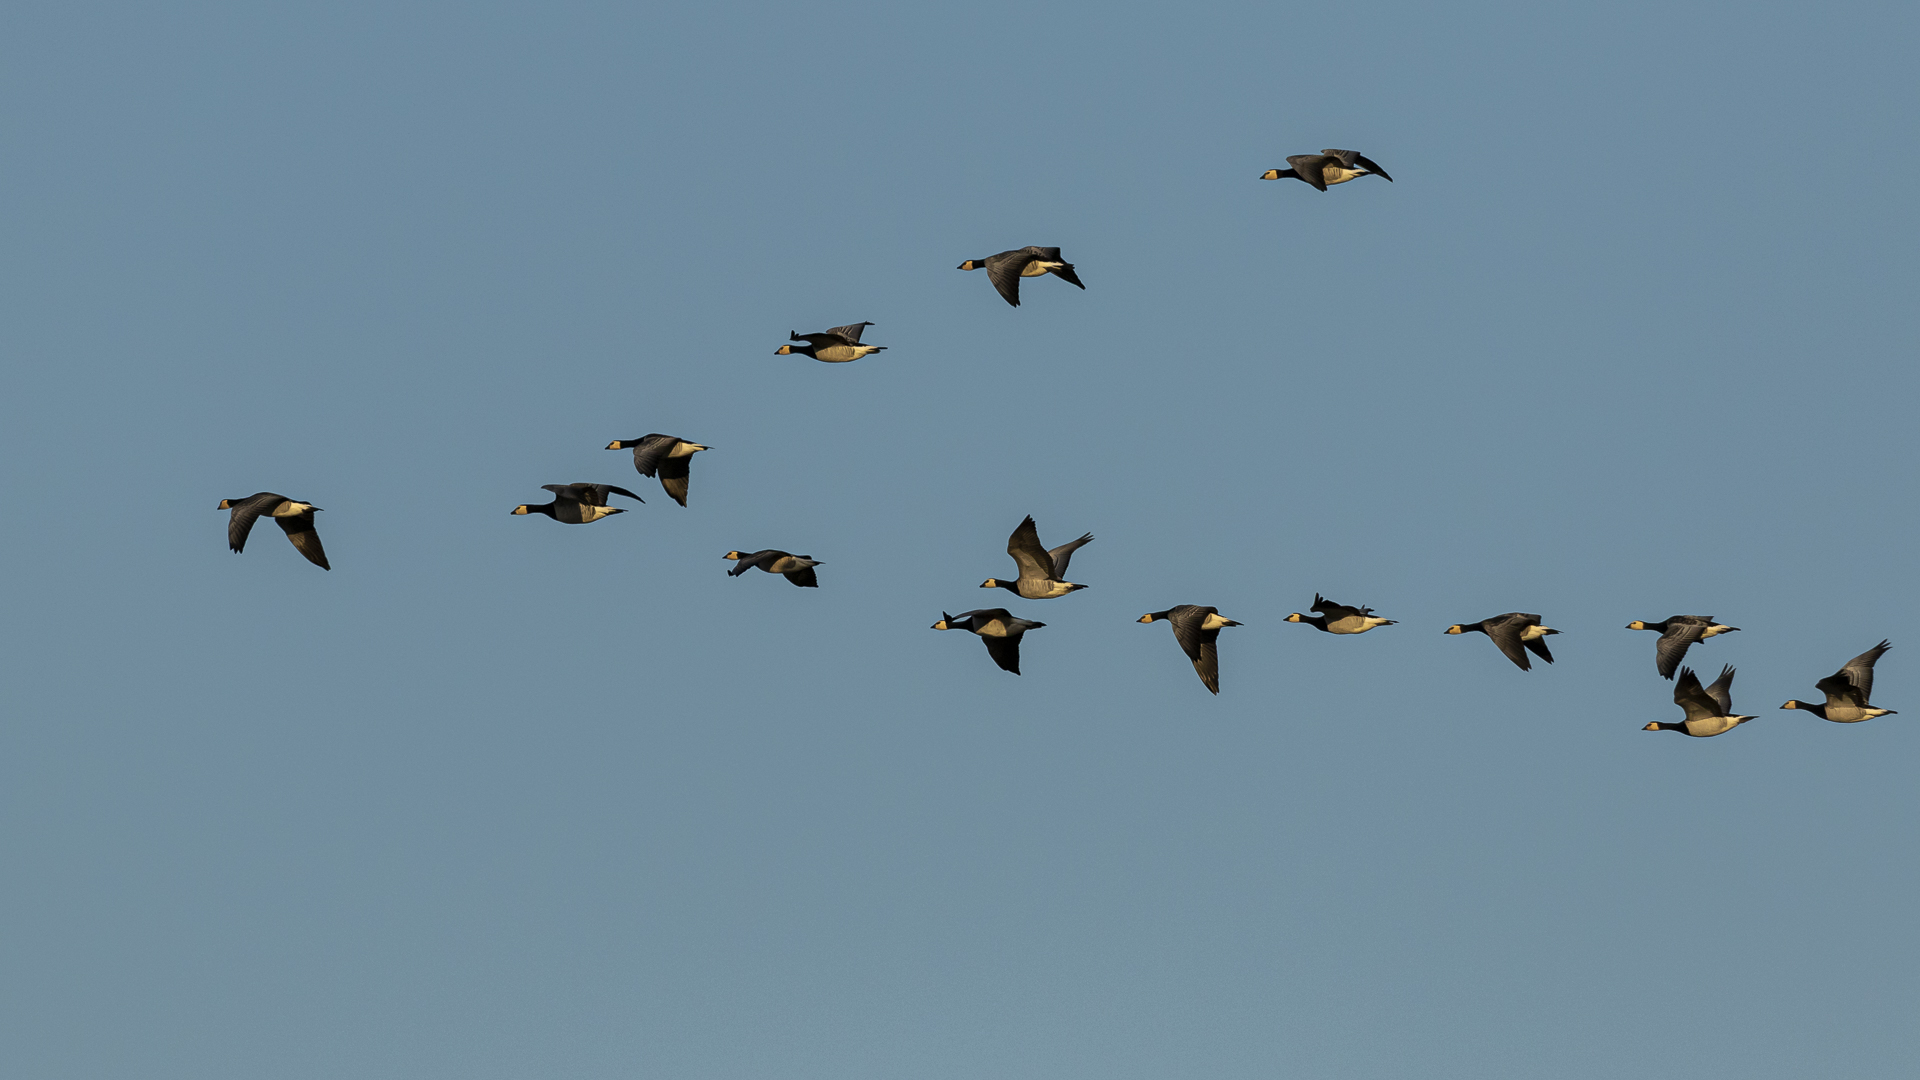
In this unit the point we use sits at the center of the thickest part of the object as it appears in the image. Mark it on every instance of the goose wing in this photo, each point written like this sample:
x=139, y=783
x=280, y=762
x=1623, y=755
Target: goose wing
x=747, y=562
x=1722, y=690
x=1673, y=645
x=1505, y=632
x=245, y=513
x=1308, y=167
x=805, y=578
x=1350, y=158
x=1186, y=620
x=1334, y=611
x=1062, y=554
x=601, y=491
x=649, y=453
x=1688, y=694
x=674, y=473
x=1005, y=652
x=1855, y=681
x=1004, y=271
x=1034, y=561
x=1207, y=665
x=299, y=529
x=849, y=333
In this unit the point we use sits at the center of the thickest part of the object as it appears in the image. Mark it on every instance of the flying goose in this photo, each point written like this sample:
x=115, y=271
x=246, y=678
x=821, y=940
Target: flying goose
x=1042, y=572
x=1709, y=711
x=796, y=568
x=1676, y=633
x=1007, y=268
x=669, y=455
x=997, y=628
x=1510, y=632
x=578, y=504
x=837, y=345
x=1328, y=167
x=1847, y=691
x=294, y=517
x=1196, y=629
x=1339, y=618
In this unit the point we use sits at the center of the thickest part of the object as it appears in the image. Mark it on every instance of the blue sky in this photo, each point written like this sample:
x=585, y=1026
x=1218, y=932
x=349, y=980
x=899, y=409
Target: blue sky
x=1630, y=335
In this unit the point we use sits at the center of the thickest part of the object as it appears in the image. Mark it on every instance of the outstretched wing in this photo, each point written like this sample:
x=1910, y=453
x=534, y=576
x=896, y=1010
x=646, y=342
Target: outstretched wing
x=299, y=529
x=1005, y=652
x=673, y=477
x=1033, y=560
x=1673, y=644
x=806, y=578
x=1722, y=690
x=1687, y=693
x=1507, y=635
x=1309, y=167
x=1350, y=158
x=1004, y=271
x=1855, y=681
x=851, y=332
x=245, y=513
x=1207, y=666
x=1539, y=647
x=1065, y=273
x=1063, y=553
x=601, y=491
x=651, y=451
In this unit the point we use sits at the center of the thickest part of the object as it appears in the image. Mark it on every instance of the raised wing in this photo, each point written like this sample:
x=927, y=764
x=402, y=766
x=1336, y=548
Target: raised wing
x=1033, y=560
x=1062, y=554
x=851, y=332
x=1334, y=611
x=1673, y=645
x=1697, y=703
x=1350, y=158
x=1309, y=167
x=299, y=529
x=1722, y=690
x=1855, y=681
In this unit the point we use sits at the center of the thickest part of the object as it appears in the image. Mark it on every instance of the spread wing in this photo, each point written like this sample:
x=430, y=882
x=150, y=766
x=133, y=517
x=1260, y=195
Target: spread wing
x=1350, y=158
x=1207, y=666
x=1722, y=690
x=1506, y=634
x=1309, y=167
x=1062, y=554
x=1033, y=560
x=1005, y=652
x=1539, y=647
x=1186, y=620
x=601, y=491
x=806, y=578
x=850, y=333
x=673, y=477
x=299, y=529
x=1004, y=271
x=1855, y=681
x=1690, y=697
x=650, y=452
x=245, y=513
x=1673, y=644
x=1065, y=273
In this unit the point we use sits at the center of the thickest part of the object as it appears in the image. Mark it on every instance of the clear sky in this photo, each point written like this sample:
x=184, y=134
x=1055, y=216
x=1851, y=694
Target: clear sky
x=1630, y=335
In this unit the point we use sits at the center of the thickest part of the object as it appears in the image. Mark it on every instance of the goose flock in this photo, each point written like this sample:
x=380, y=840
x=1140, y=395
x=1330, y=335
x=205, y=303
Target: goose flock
x=1041, y=571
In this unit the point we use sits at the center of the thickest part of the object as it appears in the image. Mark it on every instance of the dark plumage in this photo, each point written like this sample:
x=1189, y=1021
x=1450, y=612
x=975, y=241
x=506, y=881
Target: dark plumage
x=1042, y=571
x=997, y=628
x=836, y=346
x=1196, y=629
x=294, y=517
x=1327, y=167
x=669, y=455
x=1709, y=711
x=796, y=568
x=1848, y=691
x=1007, y=268
x=1677, y=633
x=1339, y=618
x=578, y=504
x=1511, y=632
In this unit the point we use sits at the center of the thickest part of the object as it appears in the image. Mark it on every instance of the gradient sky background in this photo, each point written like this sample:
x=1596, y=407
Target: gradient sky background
x=1630, y=335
